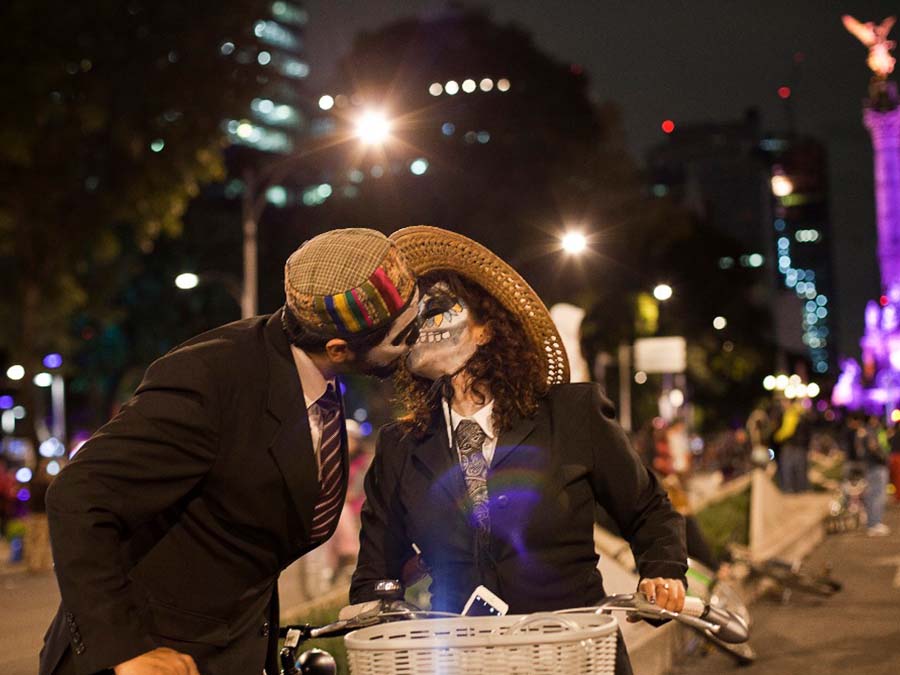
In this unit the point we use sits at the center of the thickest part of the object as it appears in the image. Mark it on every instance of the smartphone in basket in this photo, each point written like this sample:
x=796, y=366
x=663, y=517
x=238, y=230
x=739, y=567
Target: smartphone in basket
x=483, y=602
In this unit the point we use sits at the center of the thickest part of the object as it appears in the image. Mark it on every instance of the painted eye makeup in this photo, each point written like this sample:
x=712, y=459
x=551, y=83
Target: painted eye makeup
x=408, y=335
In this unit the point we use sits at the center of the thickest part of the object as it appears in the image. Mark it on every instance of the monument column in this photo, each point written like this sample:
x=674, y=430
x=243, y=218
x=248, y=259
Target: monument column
x=882, y=118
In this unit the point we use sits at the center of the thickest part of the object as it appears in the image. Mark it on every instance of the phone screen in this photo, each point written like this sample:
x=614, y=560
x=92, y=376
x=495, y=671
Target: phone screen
x=481, y=607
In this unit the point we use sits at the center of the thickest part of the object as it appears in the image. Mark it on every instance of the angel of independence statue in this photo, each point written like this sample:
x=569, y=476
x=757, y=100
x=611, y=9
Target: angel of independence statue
x=875, y=37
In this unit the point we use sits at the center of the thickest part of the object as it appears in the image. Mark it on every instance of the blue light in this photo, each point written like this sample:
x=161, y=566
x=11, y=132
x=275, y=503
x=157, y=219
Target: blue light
x=447, y=128
x=365, y=428
x=822, y=300
x=783, y=242
x=6, y=402
x=343, y=389
x=821, y=312
x=779, y=225
x=53, y=360
x=784, y=261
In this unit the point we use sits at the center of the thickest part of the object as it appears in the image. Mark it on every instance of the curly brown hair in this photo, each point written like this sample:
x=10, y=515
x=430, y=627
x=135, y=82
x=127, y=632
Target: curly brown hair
x=507, y=366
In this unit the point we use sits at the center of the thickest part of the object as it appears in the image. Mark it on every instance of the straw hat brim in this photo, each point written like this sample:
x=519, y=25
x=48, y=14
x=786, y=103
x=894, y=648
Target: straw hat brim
x=428, y=249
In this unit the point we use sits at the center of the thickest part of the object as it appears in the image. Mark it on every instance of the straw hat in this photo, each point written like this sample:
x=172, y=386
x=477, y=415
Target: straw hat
x=347, y=282
x=427, y=249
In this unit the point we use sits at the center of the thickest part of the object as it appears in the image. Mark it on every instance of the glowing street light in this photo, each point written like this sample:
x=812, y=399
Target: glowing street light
x=373, y=127
x=662, y=292
x=782, y=186
x=187, y=281
x=574, y=242
x=15, y=372
x=43, y=379
x=720, y=322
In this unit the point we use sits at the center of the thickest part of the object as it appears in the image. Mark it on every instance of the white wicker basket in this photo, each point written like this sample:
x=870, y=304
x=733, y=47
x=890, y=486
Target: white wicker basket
x=542, y=643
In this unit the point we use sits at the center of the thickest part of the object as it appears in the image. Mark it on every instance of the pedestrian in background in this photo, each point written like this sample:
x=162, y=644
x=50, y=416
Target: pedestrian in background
x=872, y=447
x=793, y=436
x=37, y=532
x=894, y=462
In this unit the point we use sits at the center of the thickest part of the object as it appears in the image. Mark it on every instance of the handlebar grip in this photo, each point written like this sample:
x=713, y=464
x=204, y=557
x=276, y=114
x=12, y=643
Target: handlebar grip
x=731, y=627
x=693, y=607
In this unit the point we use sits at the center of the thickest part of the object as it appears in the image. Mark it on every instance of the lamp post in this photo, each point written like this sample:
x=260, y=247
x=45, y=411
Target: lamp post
x=371, y=127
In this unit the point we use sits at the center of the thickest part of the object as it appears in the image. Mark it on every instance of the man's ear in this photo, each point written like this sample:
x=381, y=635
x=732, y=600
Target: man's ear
x=338, y=351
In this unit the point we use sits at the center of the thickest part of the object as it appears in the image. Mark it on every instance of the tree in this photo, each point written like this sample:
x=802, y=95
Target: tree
x=514, y=164
x=111, y=125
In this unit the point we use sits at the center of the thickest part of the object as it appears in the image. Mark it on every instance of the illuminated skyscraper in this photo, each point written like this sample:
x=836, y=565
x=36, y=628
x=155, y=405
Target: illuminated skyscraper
x=768, y=193
x=276, y=116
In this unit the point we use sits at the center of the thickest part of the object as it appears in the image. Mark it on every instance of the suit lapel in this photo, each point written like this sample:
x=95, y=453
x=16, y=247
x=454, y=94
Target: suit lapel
x=288, y=426
x=440, y=463
x=511, y=439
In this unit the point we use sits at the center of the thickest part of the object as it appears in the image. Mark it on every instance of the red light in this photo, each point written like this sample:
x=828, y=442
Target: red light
x=784, y=92
x=668, y=126
x=883, y=300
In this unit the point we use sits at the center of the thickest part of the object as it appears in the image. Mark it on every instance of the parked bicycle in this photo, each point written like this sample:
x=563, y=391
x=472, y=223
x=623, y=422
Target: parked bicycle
x=389, y=636
x=788, y=576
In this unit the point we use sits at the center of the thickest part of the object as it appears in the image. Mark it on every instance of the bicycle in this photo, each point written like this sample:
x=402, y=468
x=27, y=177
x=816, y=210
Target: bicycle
x=788, y=576
x=389, y=636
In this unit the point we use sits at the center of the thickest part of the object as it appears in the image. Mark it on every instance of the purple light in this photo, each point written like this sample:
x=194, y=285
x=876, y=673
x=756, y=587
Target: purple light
x=6, y=402
x=343, y=389
x=52, y=360
x=365, y=429
x=23, y=495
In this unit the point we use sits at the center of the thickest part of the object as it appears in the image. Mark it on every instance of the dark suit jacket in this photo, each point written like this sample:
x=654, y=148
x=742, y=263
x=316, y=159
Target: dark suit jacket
x=544, y=479
x=173, y=522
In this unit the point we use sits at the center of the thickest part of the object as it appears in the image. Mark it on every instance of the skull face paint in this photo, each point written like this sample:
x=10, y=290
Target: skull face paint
x=447, y=337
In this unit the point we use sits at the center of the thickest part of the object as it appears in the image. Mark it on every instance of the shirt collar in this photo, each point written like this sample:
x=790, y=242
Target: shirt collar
x=311, y=379
x=483, y=416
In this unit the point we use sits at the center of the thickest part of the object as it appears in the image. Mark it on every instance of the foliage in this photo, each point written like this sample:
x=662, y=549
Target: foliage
x=112, y=125
x=726, y=522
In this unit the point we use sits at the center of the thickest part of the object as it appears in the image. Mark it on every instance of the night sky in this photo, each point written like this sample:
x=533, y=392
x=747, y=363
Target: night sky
x=700, y=61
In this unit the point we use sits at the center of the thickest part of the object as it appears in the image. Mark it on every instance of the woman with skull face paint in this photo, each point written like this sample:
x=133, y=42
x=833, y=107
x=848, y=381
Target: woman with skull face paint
x=494, y=473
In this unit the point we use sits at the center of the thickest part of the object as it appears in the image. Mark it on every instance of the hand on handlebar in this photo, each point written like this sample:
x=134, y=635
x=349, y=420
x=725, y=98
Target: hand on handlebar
x=159, y=661
x=666, y=594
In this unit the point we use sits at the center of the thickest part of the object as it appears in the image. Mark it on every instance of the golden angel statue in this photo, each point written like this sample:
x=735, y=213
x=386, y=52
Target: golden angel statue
x=876, y=39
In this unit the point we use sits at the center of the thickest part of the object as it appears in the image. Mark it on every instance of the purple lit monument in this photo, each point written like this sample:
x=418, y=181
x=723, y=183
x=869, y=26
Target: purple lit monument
x=875, y=386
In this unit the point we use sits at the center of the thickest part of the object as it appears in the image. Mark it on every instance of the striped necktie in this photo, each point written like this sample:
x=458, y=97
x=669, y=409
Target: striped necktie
x=328, y=508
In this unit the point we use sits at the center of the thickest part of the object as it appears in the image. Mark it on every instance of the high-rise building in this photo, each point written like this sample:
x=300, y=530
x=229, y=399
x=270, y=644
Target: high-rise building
x=276, y=116
x=769, y=194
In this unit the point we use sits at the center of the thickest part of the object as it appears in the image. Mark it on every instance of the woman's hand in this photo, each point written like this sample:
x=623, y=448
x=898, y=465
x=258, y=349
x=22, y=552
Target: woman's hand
x=664, y=593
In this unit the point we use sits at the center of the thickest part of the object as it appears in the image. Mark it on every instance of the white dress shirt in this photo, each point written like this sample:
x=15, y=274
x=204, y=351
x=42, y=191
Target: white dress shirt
x=314, y=387
x=483, y=418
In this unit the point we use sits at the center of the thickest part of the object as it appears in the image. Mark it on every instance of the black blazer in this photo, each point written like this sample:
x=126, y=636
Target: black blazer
x=173, y=522
x=544, y=479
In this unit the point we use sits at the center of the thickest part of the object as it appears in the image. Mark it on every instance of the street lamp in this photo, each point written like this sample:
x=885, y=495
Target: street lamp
x=372, y=127
x=662, y=292
x=187, y=281
x=574, y=243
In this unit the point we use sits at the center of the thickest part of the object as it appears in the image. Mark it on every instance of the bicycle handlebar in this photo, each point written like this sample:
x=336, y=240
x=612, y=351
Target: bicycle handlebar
x=725, y=625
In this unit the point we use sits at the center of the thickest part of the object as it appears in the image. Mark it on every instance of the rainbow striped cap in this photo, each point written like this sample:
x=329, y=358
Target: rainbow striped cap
x=347, y=282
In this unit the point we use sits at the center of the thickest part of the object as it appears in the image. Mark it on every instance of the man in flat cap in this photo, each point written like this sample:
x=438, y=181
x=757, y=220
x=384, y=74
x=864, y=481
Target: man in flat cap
x=172, y=524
